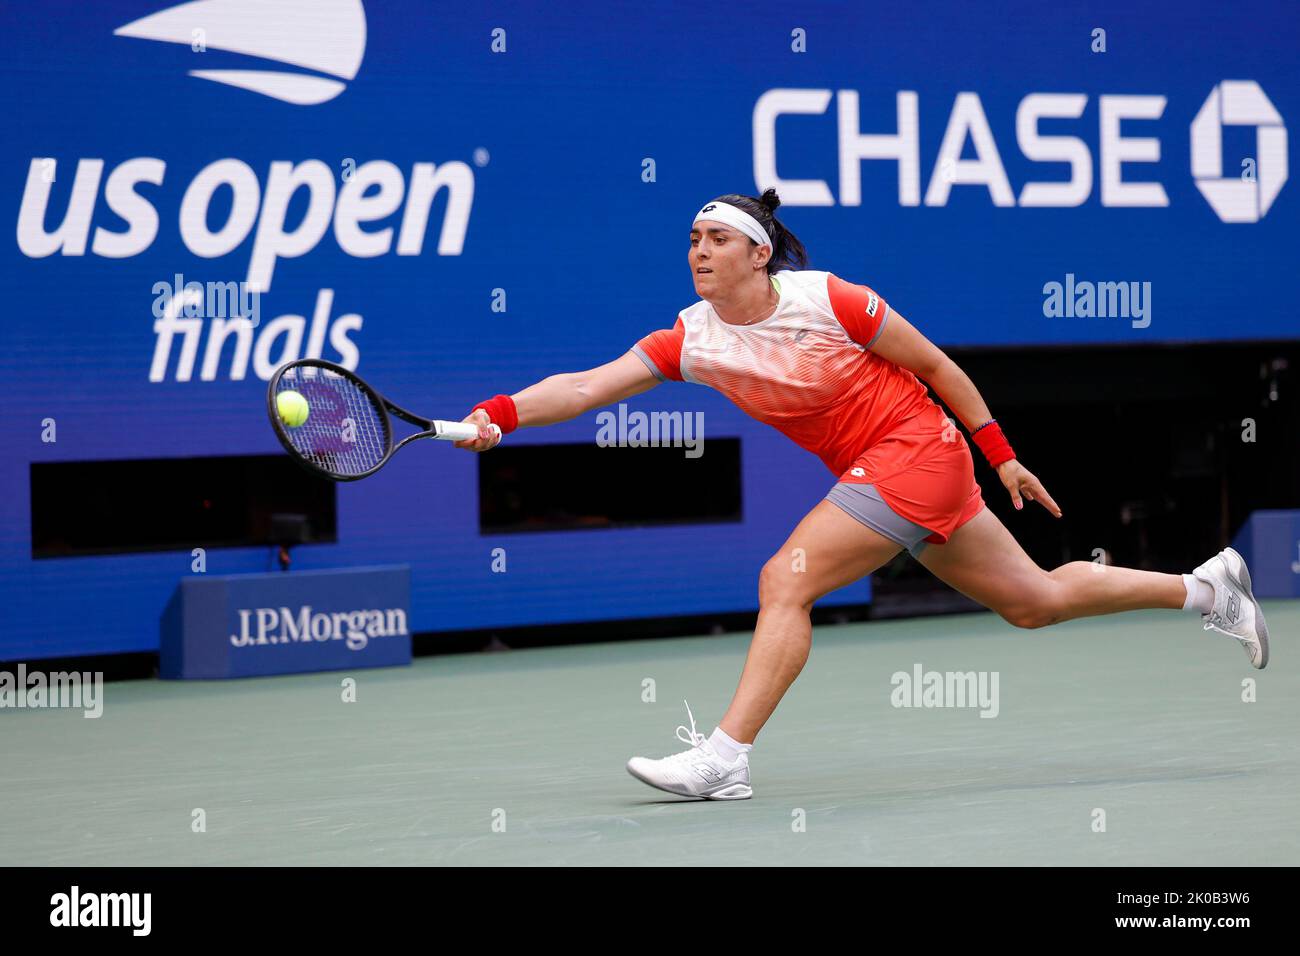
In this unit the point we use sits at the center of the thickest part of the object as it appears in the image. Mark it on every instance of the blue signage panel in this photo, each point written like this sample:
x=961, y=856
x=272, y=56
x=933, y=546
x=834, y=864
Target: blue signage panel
x=460, y=202
x=251, y=625
x=1270, y=543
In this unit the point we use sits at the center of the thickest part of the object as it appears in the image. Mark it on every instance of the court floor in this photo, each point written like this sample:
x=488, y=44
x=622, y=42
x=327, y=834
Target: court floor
x=518, y=757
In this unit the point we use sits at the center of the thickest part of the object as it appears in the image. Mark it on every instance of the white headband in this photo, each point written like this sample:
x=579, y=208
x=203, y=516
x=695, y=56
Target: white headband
x=737, y=218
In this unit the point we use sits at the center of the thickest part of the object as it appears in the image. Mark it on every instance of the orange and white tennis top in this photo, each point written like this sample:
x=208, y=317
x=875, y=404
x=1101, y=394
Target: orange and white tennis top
x=808, y=371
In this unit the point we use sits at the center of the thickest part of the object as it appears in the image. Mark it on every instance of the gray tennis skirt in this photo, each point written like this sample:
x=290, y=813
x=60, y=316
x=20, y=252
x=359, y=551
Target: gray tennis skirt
x=864, y=503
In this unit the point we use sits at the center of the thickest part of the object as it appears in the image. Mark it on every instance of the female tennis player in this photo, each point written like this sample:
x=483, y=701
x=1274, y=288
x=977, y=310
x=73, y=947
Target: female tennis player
x=835, y=368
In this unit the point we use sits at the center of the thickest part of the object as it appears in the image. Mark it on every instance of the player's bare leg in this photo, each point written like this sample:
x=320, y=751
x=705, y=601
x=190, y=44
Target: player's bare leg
x=983, y=561
x=827, y=550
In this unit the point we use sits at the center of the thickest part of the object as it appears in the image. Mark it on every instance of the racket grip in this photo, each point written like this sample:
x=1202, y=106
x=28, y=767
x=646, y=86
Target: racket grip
x=460, y=431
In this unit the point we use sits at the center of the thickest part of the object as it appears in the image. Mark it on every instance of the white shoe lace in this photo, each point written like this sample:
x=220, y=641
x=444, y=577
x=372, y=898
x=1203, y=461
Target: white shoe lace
x=1211, y=620
x=692, y=738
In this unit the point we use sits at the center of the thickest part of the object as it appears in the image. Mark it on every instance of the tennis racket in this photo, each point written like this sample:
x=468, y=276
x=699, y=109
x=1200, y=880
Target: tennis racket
x=348, y=432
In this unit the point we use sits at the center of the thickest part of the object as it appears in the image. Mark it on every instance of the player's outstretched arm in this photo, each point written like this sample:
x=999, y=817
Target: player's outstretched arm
x=559, y=398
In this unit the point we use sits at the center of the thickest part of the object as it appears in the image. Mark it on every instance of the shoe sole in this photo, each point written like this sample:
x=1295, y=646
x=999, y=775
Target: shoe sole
x=735, y=791
x=1261, y=628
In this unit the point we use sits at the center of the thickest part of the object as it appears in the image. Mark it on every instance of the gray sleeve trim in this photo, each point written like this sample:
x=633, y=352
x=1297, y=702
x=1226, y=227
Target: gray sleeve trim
x=880, y=329
x=649, y=363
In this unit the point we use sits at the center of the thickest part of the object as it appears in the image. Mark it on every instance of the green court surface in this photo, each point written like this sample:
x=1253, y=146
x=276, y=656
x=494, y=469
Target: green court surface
x=1139, y=715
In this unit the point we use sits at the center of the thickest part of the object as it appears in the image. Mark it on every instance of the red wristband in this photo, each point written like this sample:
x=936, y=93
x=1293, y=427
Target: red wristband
x=501, y=412
x=993, y=443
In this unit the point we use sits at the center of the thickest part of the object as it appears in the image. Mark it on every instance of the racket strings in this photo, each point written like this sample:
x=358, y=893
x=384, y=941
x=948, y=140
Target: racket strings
x=345, y=432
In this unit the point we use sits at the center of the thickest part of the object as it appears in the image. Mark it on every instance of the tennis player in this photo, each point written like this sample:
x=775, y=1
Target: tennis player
x=834, y=367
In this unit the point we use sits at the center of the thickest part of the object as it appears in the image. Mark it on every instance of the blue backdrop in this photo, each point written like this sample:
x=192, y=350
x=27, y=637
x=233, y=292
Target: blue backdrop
x=569, y=146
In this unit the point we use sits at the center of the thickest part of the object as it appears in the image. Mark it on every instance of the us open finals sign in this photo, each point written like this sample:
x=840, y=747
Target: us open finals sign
x=256, y=624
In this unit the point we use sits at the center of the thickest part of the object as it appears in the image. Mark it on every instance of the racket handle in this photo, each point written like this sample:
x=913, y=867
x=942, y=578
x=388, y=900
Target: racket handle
x=460, y=431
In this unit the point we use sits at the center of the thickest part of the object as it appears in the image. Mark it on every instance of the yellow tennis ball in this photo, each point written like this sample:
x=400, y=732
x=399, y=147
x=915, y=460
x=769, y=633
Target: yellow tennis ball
x=292, y=408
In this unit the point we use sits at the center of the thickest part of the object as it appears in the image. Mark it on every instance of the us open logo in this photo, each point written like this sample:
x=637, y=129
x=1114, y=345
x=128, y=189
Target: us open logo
x=325, y=36
x=299, y=36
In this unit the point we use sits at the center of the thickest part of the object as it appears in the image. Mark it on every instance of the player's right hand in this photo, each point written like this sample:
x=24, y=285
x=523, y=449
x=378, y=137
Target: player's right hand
x=488, y=437
x=1021, y=483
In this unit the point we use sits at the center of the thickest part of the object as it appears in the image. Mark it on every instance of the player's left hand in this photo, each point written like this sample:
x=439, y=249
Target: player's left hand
x=1021, y=483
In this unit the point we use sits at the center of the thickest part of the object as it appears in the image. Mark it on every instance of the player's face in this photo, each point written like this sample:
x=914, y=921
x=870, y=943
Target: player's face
x=720, y=258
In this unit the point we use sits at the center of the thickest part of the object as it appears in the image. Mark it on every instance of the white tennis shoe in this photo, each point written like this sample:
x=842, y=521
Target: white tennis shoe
x=698, y=772
x=1236, y=612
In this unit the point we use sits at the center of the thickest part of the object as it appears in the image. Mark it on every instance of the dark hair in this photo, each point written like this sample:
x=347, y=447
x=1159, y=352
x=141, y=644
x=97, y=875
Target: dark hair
x=787, y=250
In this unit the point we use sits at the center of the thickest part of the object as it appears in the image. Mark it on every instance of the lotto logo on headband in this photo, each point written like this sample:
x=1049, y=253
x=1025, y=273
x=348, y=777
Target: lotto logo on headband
x=710, y=207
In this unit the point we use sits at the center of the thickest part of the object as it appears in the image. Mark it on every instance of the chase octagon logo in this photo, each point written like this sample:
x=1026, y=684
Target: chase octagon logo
x=1243, y=198
x=325, y=36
